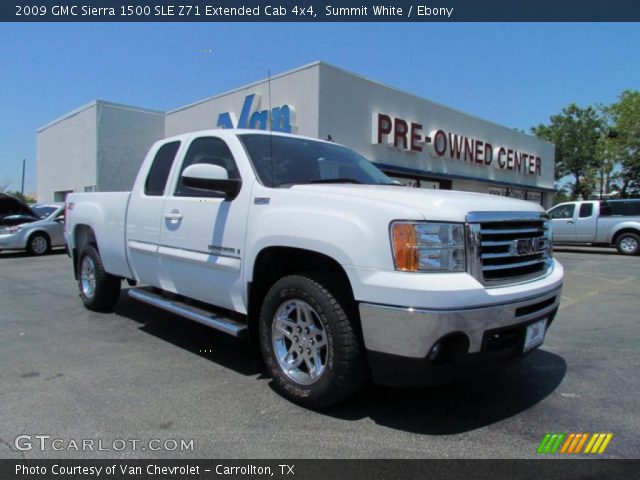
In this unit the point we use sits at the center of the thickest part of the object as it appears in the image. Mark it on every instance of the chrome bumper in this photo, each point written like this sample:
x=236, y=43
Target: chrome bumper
x=411, y=332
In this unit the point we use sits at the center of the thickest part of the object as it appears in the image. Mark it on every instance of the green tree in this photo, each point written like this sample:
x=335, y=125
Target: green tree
x=576, y=133
x=625, y=141
x=20, y=196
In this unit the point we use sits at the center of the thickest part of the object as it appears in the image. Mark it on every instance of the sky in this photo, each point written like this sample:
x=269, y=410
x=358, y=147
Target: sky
x=517, y=74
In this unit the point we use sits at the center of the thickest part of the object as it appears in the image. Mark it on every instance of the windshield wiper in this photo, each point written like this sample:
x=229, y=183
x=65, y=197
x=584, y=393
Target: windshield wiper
x=335, y=180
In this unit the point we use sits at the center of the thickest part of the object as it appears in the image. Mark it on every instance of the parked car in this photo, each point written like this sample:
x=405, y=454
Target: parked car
x=10, y=205
x=335, y=270
x=598, y=222
x=35, y=230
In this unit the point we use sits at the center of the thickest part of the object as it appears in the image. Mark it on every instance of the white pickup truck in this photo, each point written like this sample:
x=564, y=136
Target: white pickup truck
x=338, y=273
x=598, y=222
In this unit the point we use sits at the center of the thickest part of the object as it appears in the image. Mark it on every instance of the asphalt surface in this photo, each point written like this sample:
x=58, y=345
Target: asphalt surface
x=142, y=374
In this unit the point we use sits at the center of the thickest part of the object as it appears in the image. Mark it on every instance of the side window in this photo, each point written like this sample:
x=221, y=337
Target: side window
x=632, y=209
x=159, y=171
x=586, y=210
x=617, y=208
x=209, y=150
x=605, y=209
x=563, y=211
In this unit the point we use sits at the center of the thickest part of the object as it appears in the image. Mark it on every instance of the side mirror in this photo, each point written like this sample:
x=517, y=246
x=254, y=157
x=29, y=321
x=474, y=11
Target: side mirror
x=212, y=178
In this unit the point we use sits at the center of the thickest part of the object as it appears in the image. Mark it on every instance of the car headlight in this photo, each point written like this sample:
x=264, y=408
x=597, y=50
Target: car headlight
x=426, y=246
x=9, y=230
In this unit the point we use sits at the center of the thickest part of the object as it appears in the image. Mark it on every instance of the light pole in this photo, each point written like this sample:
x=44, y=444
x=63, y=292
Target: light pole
x=24, y=162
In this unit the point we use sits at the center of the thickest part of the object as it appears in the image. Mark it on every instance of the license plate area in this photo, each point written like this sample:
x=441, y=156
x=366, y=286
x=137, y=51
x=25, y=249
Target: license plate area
x=534, y=336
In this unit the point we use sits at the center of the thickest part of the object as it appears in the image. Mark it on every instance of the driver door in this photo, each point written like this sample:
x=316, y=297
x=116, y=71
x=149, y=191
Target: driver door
x=564, y=223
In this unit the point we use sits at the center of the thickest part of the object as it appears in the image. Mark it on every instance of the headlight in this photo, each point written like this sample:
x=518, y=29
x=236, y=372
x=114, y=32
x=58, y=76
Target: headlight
x=9, y=230
x=420, y=246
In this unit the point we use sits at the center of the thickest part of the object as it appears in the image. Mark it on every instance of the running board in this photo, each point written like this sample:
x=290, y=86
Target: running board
x=210, y=319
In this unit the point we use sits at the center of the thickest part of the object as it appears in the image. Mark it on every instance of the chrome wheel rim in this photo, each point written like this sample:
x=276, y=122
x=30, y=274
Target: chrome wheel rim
x=299, y=341
x=629, y=244
x=39, y=245
x=88, y=277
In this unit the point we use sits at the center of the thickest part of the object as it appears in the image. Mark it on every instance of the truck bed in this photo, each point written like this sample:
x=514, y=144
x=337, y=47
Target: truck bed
x=105, y=213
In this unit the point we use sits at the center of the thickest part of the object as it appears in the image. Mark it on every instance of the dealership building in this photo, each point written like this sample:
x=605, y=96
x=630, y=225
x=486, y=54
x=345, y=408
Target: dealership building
x=99, y=147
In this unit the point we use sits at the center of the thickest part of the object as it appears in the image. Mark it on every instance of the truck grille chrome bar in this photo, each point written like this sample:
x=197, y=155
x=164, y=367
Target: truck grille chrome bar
x=506, y=248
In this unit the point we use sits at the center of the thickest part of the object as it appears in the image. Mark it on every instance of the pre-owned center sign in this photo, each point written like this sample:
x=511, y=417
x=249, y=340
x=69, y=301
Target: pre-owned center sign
x=441, y=143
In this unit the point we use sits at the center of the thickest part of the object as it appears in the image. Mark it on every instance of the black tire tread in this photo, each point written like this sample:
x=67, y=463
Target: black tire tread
x=627, y=234
x=38, y=234
x=351, y=370
x=107, y=289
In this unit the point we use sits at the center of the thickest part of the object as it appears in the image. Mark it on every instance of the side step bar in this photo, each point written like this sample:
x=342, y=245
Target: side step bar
x=213, y=320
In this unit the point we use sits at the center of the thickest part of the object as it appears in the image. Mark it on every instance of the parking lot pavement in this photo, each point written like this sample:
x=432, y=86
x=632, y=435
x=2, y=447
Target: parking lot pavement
x=140, y=373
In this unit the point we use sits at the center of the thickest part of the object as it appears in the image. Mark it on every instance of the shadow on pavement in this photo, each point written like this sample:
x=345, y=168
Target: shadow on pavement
x=462, y=406
x=223, y=349
x=442, y=410
x=22, y=254
x=585, y=250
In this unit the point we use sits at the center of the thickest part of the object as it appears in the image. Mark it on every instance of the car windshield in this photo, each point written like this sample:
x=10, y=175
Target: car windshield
x=284, y=161
x=43, y=211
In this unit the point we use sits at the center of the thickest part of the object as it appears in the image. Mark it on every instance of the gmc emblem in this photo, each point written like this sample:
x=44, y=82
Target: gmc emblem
x=527, y=246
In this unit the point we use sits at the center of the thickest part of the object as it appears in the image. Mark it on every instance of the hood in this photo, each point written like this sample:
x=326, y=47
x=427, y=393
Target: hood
x=12, y=206
x=438, y=205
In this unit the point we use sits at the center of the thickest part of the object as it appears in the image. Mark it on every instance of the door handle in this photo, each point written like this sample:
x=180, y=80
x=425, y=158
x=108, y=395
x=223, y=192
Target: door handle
x=173, y=216
x=570, y=221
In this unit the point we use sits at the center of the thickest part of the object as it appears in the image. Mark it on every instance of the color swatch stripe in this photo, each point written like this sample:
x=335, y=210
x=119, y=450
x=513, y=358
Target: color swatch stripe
x=572, y=443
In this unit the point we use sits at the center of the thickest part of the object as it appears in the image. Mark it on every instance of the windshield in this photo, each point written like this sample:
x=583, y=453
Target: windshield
x=43, y=211
x=285, y=161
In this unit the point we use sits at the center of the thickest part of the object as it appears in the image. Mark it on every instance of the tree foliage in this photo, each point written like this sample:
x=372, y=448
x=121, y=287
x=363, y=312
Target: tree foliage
x=625, y=141
x=576, y=133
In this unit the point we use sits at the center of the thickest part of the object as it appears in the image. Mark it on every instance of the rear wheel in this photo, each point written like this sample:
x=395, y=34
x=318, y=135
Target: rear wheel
x=38, y=244
x=99, y=290
x=309, y=344
x=628, y=244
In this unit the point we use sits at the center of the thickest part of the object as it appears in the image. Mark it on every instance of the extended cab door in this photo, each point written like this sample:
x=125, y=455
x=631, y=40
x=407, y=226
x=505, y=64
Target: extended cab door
x=203, y=234
x=144, y=213
x=563, y=221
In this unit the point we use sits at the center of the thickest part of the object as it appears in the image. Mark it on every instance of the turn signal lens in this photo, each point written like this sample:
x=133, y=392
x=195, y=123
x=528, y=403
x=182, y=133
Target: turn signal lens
x=405, y=247
x=428, y=246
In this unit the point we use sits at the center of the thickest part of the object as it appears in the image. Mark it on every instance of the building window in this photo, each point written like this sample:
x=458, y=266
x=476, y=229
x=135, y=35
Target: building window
x=61, y=195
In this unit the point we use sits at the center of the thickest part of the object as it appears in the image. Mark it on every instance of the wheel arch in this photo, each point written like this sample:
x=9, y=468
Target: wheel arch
x=82, y=235
x=275, y=262
x=622, y=231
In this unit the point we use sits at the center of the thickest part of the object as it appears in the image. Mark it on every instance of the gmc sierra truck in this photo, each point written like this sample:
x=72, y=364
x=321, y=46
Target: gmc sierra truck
x=338, y=273
x=599, y=222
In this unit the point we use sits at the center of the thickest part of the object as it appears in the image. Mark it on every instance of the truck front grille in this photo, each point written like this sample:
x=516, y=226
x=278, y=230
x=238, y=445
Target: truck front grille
x=508, y=247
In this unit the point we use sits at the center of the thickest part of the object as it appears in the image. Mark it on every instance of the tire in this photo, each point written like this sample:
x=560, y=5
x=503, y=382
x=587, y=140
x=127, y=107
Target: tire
x=309, y=345
x=99, y=290
x=38, y=244
x=628, y=244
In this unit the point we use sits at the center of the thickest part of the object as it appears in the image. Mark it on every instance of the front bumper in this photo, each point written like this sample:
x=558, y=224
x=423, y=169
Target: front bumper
x=13, y=241
x=399, y=340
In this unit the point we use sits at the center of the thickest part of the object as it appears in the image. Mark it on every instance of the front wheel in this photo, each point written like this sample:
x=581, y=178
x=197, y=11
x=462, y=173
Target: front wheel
x=99, y=290
x=628, y=244
x=38, y=244
x=309, y=344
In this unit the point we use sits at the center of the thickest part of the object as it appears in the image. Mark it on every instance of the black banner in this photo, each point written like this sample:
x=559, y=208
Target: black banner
x=321, y=11
x=319, y=469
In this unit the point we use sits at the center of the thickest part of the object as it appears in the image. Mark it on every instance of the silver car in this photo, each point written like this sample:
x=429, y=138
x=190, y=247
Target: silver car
x=36, y=232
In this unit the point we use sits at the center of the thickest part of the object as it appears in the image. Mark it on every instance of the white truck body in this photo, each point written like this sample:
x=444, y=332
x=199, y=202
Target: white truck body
x=213, y=249
x=598, y=222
